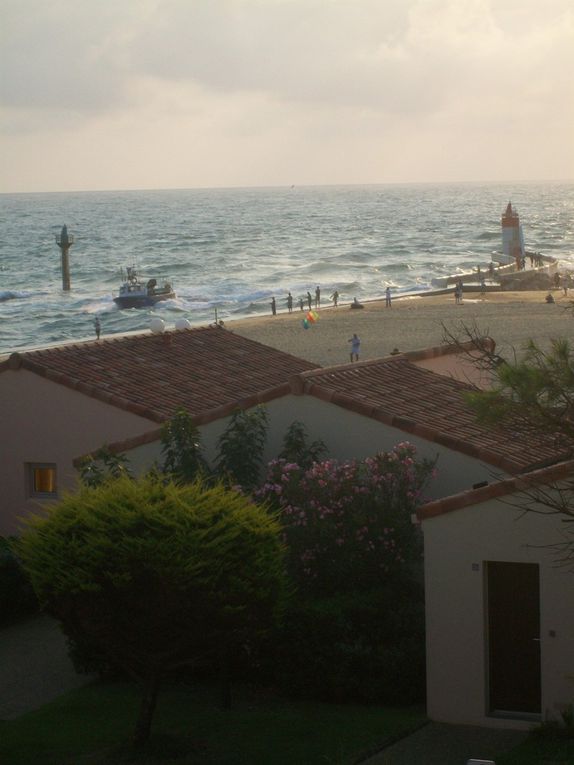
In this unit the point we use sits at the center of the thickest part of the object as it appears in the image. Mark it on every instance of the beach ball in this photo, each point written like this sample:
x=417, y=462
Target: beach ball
x=182, y=324
x=157, y=325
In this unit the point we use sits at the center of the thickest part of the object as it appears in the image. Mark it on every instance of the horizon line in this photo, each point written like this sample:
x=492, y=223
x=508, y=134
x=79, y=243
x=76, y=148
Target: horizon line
x=291, y=186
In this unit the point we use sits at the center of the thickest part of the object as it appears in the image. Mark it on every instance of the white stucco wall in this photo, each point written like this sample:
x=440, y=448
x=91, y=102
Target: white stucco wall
x=457, y=545
x=346, y=434
x=43, y=422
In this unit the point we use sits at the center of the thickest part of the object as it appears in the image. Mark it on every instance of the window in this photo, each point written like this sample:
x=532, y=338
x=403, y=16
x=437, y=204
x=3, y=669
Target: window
x=42, y=480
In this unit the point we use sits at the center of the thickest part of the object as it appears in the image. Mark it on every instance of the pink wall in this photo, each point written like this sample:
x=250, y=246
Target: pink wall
x=41, y=421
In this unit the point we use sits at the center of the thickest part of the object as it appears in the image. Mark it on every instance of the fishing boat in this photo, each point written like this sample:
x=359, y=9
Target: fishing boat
x=140, y=294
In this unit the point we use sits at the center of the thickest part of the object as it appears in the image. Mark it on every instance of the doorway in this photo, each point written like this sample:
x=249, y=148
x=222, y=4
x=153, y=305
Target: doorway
x=513, y=609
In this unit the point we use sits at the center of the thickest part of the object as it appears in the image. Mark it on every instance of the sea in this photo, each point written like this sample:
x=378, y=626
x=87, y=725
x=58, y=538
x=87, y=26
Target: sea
x=231, y=250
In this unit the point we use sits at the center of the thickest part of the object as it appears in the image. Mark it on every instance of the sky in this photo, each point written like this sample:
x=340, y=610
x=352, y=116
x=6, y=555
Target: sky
x=148, y=94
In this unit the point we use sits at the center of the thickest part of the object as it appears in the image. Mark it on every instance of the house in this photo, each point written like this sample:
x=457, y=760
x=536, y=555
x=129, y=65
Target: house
x=63, y=401
x=364, y=408
x=499, y=610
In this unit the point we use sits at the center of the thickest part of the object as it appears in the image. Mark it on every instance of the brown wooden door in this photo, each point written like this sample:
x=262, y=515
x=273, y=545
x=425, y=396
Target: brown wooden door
x=513, y=637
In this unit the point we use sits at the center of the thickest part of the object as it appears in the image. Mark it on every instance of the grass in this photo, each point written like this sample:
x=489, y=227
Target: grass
x=92, y=725
x=537, y=749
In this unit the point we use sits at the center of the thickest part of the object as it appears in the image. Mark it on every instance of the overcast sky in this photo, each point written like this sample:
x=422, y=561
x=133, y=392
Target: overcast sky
x=132, y=94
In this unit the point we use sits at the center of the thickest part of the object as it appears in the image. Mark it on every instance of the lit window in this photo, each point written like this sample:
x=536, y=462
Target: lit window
x=42, y=480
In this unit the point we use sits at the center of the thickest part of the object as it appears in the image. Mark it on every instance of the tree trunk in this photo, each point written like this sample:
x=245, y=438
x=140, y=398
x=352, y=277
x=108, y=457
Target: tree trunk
x=147, y=709
x=225, y=682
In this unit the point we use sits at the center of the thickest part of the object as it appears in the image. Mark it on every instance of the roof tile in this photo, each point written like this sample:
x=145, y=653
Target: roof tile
x=397, y=391
x=198, y=369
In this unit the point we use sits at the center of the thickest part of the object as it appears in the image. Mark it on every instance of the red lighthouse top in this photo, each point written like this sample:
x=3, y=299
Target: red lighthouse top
x=510, y=216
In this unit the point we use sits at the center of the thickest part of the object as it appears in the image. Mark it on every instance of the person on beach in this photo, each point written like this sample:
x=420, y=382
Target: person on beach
x=301, y=304
x=356, y=304
x=309, y=300
x=317, y=297
x=97, y=327
x=290, y=303
x=273, y=307
x=388, y=298
x=335, y=298
x=549, y=298
x=458, y=292
x=355, y=347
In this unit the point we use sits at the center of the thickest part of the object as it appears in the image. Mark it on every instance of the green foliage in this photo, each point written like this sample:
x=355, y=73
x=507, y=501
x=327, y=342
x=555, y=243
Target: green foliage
x=297, y=449
x=364, y=646
x=154, y=575
x=356, y=630
x=181, y=449
x=348, y=524
x=16, y=594
x=536, y=391
x=240, y=448
x=101, y=466
x=535, y=395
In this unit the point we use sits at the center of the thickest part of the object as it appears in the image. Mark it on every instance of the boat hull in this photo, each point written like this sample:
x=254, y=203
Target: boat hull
x=142, y=301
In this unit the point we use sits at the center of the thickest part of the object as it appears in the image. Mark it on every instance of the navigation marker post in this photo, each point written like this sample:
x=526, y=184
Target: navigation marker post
x=64, y=242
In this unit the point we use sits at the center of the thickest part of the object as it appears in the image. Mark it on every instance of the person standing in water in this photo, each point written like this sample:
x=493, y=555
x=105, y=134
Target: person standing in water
x=290, y=303
x=97, y=327
x=273, y=307
x=388, y=297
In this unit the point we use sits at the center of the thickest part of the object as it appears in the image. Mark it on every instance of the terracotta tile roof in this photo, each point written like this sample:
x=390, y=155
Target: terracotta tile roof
x=203, y=370
x=496, y=490
x=397, y=392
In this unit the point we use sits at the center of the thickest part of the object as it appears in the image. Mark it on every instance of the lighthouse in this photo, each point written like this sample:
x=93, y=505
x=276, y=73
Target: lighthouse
x=512, y=237
x=64, y=242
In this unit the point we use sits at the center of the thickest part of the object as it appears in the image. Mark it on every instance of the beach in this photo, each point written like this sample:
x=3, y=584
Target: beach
x=510, y=318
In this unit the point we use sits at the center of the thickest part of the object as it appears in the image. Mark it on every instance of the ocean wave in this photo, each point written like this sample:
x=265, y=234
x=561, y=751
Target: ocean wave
x=395, y=267
x=15, y=295
x=235, y=248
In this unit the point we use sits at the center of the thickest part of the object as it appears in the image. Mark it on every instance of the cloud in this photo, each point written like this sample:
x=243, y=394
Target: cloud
x=198, y=92
x=404, y=56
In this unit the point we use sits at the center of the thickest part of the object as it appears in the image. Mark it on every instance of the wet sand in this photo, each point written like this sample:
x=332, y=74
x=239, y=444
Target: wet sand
x=511, y=318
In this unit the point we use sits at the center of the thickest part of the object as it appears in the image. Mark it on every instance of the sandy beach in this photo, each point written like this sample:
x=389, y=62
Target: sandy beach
x=511, y=318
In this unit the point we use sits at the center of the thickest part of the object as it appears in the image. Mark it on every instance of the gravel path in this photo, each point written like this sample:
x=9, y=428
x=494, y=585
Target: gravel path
x=440, y=744
x=34, y=666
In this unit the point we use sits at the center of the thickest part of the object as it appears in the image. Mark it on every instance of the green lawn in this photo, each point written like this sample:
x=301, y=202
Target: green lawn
x=89, y=726
x=540, y=749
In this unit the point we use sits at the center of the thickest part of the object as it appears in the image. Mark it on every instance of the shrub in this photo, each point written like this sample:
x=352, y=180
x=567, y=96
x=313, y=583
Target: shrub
x=348, y=524
x=17, y=597
x=154, y=576
x=240, y=448
x=356, y=629
x=181, y=449
x=366, y=646
x=297, y=449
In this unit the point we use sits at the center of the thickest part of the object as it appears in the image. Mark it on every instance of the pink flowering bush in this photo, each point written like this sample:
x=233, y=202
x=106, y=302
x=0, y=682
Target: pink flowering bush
x=347, y=525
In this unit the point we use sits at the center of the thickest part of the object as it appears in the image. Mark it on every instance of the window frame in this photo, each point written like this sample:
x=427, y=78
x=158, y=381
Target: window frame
x=31, y=482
